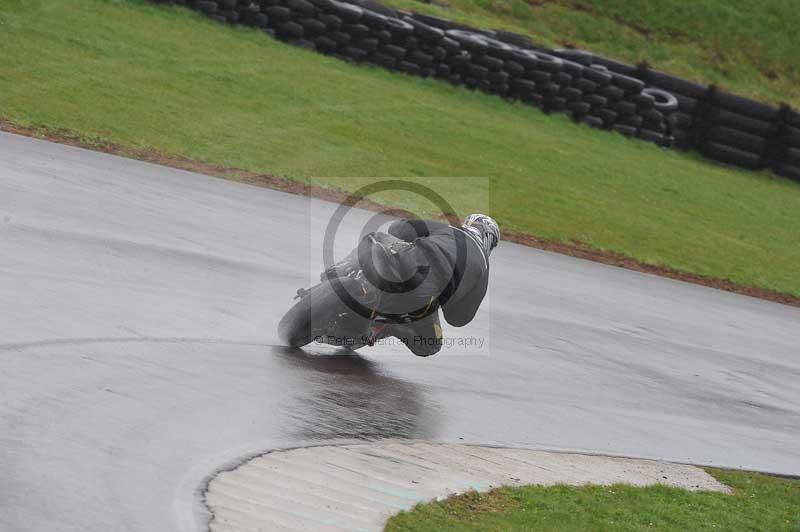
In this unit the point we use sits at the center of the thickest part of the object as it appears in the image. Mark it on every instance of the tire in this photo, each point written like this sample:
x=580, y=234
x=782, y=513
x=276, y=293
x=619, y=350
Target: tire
x=550, y=89
x=356, y=31
x=226, y=4
x=332, y=22
x=478, y=72
x=498, y=78
x=655, y=137
x=383, y=60
x=523, y=86
x=420, y=58
x=289, y=30
x=410, y=42
x=370, y=45
x=278, y=13
x=347, y=12
x=230, y=16
x=600, y=77
x=791, y=156
x=385, y=37
x=467, y=39
x=303, y=43
x=573, y=69
x=554, y=104
x=325, y=44
x=653, y=115
x=398, y=52
x=459, y=60
x=627, y=83
x=737, y=139
x=615, y=66
x=538, y=77
x=628, y=131
x=563, y=79
x=593, y=121
x=682, y=120
x=789, y=136
x=685, y=103
x=310, y=316
x=682, y=140
x=586, y=85
x=512, y=67
x=304, y=7
x=579, y=108
x=607, y=115
x=744, y=106
x=634, y=121
x=614, y=94
x=258, y=20
x=436, y=22
x=312, y=26
x=339, y=37
x=549, y=63
x=206, y=7
x=438, y=53
x=374, y=20
x=358, y=54
x=581, y=57
x=571, y=94
x=408, y=67
x=792, y=117
x=730, y=155
x=675, y=85
x=657, y=126
x=721, y=117
x=596, y=101
x=425, y=32
x=664, y=101
x=398, y=28
x=450, y=45
x=644, y=101
x=492, y=63
x=626, y=108
x=218, y=18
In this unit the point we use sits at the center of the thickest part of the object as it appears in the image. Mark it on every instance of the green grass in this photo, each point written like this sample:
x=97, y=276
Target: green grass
x=741, y=45
x=759, y=503
x=149, y=76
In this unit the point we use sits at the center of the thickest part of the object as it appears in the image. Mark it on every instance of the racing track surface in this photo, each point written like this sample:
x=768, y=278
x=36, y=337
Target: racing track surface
x=137, y=350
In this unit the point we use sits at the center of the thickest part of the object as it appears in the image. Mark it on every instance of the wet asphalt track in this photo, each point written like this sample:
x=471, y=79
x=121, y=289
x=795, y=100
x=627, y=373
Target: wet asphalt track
x=137, y=350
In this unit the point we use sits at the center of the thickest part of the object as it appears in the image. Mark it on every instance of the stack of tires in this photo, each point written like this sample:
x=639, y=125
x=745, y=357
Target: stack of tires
x=617, y=99
x=735, y=130
x=601, y=92
x=784, y=151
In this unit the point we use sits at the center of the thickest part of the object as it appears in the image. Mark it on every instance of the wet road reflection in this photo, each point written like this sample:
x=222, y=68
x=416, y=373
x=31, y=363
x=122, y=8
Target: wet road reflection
x=345, y=396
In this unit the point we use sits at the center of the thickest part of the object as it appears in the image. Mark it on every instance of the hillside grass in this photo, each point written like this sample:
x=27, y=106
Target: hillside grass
x=759, y=503
x=150, y=76
x=747, y=47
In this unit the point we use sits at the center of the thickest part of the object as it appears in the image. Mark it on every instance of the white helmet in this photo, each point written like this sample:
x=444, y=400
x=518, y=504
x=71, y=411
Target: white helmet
x=485, y=228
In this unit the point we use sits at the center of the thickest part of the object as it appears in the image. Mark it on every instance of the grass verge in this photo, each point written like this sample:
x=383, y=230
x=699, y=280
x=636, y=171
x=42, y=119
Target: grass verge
x=759, y=503
x=163, y=81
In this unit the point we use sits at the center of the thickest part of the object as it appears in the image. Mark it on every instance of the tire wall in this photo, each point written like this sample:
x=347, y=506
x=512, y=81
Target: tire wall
x=635, y=101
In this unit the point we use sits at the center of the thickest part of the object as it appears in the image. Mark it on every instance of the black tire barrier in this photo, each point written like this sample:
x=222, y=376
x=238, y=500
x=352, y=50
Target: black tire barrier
x=634, y=100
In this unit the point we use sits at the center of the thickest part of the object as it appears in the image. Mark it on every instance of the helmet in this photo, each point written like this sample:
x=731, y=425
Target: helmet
x=485, y=228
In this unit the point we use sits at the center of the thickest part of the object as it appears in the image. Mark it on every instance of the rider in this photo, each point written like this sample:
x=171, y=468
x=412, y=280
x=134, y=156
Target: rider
x=419, y=266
